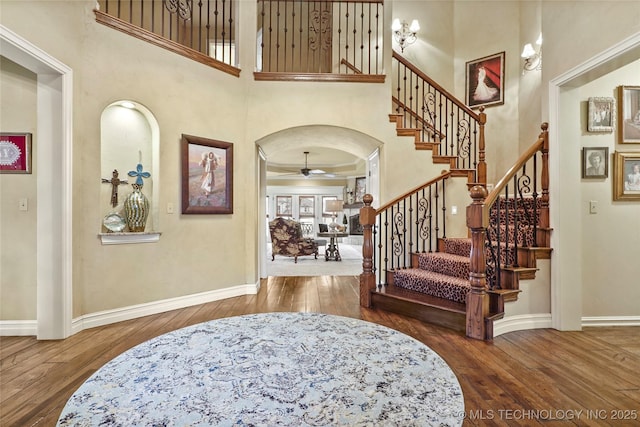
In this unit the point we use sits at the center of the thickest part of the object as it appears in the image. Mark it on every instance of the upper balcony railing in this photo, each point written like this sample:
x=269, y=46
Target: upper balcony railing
x=320, y=40
x=202, y=30
x=334, y=40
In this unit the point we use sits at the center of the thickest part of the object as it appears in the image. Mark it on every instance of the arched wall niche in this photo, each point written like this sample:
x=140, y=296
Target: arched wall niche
x=129, y=136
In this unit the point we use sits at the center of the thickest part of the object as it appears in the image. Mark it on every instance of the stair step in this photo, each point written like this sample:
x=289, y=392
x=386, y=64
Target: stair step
x=407, y=131
x=432, y=283
x=456, y=245
x=424, y=307
x=424, y=145
x=445, y=263
x=444, y=159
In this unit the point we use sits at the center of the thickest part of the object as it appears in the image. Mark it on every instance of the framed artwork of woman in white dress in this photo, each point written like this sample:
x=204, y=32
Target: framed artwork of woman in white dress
x=485, y=81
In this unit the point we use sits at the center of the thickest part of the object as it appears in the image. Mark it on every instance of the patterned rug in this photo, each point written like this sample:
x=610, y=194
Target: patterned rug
x=286, y=369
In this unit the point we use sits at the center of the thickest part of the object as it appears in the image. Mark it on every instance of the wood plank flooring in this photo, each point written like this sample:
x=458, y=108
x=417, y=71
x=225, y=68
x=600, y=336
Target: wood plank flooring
x=526, y=378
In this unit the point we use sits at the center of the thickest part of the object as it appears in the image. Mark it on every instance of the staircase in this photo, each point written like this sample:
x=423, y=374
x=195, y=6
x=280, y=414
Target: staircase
x=410, y=264
x=463, y=282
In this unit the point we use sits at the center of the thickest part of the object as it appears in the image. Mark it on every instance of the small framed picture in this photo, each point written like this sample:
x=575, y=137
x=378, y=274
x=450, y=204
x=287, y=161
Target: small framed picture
x=283, y=206
x=361, y=189
x=207, y=176
x=307, y=206
x=602, y=113
x=485, y=81
x=15, y=152
x=629, y=115
x=595, y=162
x=626, y=171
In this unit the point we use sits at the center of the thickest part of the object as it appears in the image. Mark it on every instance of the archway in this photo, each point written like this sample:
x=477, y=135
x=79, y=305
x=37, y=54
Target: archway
x=351, y=141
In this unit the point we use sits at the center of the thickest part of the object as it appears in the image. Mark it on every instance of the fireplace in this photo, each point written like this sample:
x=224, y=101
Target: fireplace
x=354, y=225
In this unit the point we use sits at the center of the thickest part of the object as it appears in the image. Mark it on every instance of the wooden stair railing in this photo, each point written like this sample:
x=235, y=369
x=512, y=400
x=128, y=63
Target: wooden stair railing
x=439, y=121
x=517, y=233
x=411, y=223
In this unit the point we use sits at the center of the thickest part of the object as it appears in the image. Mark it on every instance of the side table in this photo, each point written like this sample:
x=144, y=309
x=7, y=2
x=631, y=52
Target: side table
x=332, y=252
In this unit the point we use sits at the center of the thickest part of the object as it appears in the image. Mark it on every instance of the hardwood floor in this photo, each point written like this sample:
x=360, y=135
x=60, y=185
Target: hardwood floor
x=538, y=377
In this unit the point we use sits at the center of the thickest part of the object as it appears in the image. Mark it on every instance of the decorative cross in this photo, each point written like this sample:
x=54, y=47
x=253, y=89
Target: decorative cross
x=139, y=174
x=115, y=182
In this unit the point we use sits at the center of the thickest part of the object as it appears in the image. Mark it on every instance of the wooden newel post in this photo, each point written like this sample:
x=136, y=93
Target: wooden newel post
x=477, y=299
x=367, y=278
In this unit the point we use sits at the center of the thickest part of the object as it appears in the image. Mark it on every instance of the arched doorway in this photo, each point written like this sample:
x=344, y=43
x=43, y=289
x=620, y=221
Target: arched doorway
x=307, y=138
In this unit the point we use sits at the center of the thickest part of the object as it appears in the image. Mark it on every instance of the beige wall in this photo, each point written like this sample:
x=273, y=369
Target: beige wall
x=198, y=253
x=18, y=228
x=611, y=286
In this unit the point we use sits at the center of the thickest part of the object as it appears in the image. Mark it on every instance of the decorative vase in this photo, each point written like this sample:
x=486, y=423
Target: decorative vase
x=136, y=209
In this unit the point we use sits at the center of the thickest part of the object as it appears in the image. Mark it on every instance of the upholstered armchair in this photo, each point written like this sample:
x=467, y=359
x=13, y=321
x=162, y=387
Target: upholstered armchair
x=287, y=240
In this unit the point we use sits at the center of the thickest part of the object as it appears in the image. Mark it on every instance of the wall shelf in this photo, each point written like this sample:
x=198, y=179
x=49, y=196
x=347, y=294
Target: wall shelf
x=357, y=205
x=129, y=238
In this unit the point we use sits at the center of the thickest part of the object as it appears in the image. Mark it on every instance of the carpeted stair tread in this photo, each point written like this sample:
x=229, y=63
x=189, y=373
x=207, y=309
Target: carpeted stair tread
x=457, y=245
x=445, y=263
x=432, y=283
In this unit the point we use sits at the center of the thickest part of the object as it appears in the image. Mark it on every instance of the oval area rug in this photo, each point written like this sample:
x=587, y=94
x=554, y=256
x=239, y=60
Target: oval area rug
x=284, y=369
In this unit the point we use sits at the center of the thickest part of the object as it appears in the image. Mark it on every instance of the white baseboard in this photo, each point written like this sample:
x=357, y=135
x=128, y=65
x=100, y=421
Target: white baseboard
x=521, y=323
x=18, y=328
x=611, y=321
x=107, y=317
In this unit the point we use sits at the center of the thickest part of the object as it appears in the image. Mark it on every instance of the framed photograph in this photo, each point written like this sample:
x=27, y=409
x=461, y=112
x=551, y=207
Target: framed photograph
x=485, y=81
x=360, y=190
x=595, y=162
x=325, y=199
x=283, y=206
x=307, y=206
x=15, y=152
x=626, y=171
x=629, y=114
x=207, y=176
x=601, y=116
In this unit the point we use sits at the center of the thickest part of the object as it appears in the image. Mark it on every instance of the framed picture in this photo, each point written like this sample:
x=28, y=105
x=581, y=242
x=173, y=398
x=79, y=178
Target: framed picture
x=325, y=211
x=629, y=114
x=601, y=116
x=485, y=81
x=283, y=206
x=595, y=162
x=207, y=176
x=15, y=152
x=361, y=189
x=626, y=171
x=307, y=206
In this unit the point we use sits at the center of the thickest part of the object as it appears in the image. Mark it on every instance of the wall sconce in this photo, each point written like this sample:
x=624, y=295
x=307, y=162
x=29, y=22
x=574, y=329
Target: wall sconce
x=404, y=33
x=532, y=57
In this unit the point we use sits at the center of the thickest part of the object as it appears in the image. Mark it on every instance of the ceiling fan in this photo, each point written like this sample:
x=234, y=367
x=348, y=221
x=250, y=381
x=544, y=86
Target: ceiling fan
x=306, y=171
